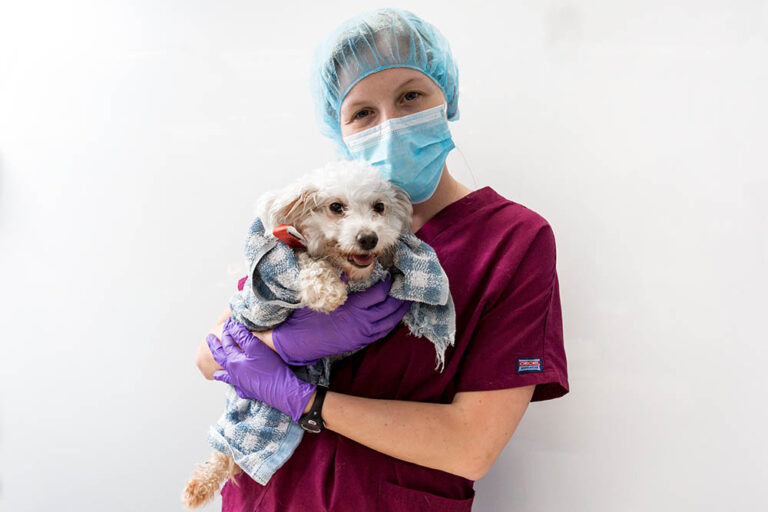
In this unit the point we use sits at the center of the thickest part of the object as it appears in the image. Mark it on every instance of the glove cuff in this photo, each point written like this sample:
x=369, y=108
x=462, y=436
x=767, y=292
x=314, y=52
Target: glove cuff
x=298, y=398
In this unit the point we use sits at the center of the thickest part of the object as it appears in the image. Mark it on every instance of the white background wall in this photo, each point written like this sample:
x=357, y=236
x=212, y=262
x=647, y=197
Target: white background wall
x=134, y=137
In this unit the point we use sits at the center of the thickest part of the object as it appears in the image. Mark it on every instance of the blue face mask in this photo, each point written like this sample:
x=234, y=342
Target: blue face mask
x=409, y=151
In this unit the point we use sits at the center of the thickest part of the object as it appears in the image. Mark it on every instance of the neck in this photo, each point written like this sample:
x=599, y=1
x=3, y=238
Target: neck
x=448, y=191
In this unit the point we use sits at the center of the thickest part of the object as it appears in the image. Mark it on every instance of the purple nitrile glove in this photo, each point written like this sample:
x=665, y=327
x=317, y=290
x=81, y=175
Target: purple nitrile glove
x=257, y=372
x=363, y=318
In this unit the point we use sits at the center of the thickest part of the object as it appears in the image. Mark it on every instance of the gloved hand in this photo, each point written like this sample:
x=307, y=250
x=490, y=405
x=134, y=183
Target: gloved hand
x=364, y=318
x=257, y=372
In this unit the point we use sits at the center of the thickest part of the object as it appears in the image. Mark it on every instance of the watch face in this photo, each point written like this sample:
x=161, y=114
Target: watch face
x=311, y=425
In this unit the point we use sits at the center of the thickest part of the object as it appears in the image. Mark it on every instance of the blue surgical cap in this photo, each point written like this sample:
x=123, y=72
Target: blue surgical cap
x=372, y=41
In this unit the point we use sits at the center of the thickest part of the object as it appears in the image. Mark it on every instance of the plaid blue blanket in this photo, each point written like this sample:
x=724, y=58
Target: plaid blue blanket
x=261, y=438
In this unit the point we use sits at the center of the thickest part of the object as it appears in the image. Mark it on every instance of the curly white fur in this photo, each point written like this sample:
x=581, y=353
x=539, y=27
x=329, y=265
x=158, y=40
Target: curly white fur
x=320, y=286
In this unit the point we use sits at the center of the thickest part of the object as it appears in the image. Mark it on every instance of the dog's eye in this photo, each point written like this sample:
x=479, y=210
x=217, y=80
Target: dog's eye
x=336, y=207
x=378, y=207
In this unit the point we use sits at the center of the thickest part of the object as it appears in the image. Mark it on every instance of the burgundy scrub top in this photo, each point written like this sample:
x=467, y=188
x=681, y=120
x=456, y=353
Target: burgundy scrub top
x=500, y=260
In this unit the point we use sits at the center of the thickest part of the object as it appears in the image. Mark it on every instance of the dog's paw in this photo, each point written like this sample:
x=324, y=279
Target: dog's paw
x=324, y=296
x=335, y=296
x=320, y=286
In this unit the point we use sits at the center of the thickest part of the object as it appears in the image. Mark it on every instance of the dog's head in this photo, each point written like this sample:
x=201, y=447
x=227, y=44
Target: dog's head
x=346, y=212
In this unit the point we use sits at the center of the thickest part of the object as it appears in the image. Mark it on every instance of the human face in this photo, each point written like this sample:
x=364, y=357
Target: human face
x=387, y=94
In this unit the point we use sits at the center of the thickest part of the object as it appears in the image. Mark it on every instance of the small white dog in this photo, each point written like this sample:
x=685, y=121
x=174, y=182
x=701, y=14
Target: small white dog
x=348, y=217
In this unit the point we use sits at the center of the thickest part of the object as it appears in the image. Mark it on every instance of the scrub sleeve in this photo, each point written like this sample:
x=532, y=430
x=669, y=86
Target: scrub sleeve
x=500, y=260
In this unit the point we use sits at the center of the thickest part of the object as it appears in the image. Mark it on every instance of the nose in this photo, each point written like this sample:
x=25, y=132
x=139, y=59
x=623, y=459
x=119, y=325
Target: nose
x=367, y=240
x=388, y=113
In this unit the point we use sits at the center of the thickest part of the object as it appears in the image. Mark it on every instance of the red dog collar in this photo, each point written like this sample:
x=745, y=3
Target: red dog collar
x=289, y=235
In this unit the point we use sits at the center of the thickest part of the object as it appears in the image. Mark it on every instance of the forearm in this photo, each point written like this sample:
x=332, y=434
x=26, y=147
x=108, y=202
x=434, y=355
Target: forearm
x=205, y=361
x=434, y=435
x=428, y=434
x=423, y=433
x=266, y=337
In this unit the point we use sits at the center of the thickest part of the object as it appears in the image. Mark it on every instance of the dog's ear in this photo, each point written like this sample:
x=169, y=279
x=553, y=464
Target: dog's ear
x=289, y=206
x=402, y=209
x=296, y=209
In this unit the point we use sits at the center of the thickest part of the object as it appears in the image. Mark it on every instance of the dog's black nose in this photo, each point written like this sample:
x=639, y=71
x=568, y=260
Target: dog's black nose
x=367, y=240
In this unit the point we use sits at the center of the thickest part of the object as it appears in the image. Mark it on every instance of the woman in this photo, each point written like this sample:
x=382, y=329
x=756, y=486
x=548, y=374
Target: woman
x=399, y=435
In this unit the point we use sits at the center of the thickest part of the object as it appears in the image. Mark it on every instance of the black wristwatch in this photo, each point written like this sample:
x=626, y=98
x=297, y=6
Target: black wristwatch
x=312, y=421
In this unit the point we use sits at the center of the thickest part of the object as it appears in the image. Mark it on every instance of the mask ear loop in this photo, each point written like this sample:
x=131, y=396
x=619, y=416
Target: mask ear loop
x=468, y=166
x=474, y=180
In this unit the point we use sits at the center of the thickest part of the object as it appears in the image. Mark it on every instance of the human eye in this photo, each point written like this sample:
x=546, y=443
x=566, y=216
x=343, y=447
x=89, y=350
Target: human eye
x=361, y=114
x=411, y=95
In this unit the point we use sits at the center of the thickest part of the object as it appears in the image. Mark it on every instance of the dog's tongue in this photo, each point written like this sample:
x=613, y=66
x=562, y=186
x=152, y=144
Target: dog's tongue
x=363, y=260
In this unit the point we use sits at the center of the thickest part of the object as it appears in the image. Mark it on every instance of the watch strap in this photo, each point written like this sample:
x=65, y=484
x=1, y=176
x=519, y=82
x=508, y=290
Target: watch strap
x=312, y=420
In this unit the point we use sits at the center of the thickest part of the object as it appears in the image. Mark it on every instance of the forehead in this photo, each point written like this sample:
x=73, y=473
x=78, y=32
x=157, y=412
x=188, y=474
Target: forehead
x=383, y=83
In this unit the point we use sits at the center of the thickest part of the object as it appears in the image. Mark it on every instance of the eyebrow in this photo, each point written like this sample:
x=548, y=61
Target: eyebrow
x=408, y=82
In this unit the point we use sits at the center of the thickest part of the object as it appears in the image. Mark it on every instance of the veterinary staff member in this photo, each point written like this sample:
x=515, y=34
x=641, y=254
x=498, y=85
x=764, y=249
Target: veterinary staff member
x=399, y=435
